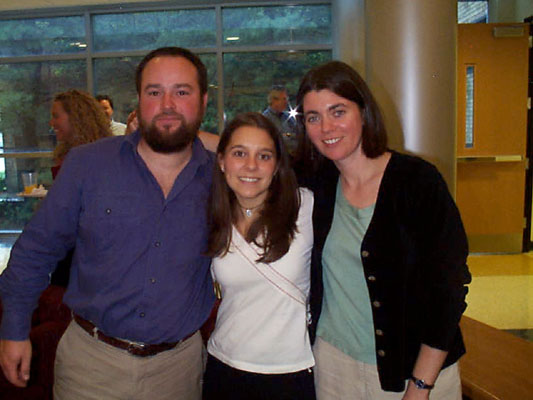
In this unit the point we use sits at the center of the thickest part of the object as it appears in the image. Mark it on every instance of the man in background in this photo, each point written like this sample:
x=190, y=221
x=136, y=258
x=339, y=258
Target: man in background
x=117, y=128
x=133, y=207
x=278, y=101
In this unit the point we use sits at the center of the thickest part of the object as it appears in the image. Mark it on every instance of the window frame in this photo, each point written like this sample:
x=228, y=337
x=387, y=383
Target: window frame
x=219, y=49
x=89, y=55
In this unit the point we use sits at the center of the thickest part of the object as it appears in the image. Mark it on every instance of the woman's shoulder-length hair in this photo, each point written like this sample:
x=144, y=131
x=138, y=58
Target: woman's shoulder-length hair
x=275, y=228
x=344, y=81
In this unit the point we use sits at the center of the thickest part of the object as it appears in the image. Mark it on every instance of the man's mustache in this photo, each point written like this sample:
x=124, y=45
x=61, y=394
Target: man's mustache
x=166, y=114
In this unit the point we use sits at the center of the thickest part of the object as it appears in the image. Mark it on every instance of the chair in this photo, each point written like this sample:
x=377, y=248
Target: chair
x=49, y=322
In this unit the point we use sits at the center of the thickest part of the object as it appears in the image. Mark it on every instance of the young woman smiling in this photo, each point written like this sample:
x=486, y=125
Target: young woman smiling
x=261, y=239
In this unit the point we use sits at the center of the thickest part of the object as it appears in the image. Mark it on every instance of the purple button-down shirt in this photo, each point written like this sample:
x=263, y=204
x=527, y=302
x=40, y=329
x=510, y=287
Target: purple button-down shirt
x=138, y=270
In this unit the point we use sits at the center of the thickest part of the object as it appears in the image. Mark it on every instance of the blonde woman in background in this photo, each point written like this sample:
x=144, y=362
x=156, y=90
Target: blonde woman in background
x=77, y=119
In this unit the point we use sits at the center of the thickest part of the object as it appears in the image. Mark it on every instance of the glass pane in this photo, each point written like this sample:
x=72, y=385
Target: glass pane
x=116, y=78
x=469, y=126
x=26, y=92
x=210, y=123
x=277, y=25
x=471, y=12
x=246, y=90
x=15, y=210
x=39, y=36
x=150, y=30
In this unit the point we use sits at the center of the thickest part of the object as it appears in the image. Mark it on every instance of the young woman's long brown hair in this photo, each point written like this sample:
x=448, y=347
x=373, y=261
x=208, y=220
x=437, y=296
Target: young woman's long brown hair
x=87, y=120
x=274, y=230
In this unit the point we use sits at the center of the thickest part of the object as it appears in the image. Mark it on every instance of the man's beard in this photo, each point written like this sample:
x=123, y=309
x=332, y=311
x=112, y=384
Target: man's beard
x=166, y=140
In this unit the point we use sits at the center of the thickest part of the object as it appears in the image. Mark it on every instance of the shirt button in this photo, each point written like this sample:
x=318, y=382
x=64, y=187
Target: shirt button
x=376, y=304
x=157, y=244
x=108, y=211
x=152, y=280
x=365, y=253
x=379, y=332
x=381, y=353
x=372, y=278
x=142, y=315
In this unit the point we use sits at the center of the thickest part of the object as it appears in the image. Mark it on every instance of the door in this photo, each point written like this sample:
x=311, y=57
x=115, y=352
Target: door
x=492, y=78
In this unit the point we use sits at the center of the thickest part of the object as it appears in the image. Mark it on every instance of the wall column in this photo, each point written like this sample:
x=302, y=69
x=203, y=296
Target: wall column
x=411, y=68
x=408, y=58
x=349, y=35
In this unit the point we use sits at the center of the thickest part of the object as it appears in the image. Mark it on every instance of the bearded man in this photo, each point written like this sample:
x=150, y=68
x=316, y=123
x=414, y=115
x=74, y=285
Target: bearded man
x=133, y=208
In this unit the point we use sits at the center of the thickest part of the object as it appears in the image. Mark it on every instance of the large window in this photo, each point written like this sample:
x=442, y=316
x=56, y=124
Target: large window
x=246, y=90
x=277, y=25
x=246, y=49
x=149, y=30
x=42, y=36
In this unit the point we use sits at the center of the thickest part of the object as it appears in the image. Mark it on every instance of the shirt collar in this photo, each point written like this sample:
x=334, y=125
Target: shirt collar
x=277, y=113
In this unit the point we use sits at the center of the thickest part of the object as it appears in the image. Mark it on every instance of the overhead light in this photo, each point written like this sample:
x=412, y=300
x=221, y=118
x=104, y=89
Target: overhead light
x=79, y=44
x=233, y=38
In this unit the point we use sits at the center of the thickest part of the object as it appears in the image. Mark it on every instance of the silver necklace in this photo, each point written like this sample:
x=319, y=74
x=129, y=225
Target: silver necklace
x=249, y=211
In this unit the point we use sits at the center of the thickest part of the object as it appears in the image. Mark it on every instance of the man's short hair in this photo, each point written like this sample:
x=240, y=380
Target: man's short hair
x=101, y=97
x=275, y=91
x=174, y=52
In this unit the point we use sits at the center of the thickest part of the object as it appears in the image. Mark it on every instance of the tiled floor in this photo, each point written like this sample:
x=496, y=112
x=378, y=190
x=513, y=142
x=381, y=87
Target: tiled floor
x=501, y=292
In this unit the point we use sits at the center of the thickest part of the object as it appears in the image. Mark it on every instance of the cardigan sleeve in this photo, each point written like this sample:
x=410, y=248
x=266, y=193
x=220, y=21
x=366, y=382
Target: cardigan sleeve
x=443, y=273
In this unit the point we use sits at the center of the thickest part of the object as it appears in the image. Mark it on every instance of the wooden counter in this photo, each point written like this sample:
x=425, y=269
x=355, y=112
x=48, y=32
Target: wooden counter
x=497, y=365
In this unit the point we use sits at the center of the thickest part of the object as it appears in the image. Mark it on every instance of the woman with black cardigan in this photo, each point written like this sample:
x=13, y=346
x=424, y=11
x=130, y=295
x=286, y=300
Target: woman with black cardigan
x=389, y=259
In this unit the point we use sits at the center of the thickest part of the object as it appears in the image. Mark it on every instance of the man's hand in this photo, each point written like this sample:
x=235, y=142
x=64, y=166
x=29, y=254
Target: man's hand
x=15, y=358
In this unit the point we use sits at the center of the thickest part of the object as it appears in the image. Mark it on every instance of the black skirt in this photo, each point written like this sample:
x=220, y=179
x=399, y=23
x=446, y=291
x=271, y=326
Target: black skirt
x=224, y=382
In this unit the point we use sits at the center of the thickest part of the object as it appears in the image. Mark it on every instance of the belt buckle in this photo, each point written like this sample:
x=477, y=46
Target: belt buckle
x=135, y=348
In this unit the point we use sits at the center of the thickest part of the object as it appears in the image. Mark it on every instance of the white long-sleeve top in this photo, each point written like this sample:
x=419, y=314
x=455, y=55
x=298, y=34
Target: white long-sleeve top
x=261, y=325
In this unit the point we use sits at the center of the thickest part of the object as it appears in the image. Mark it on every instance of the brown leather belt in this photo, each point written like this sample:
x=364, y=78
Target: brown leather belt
x=136, y=349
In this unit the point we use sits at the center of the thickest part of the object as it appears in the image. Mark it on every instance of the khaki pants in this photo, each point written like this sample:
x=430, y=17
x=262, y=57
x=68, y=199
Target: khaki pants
x=338, y=376
x=88, y=369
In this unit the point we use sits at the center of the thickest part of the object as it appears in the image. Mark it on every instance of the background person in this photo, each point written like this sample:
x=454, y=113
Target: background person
x=261, y=237
x=76, y=119
x=134, y=208
x=389, y=258
x=117, y=128
x=277, y=112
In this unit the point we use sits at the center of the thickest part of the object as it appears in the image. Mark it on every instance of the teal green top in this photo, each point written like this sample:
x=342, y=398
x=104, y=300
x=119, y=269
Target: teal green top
x=346, y=318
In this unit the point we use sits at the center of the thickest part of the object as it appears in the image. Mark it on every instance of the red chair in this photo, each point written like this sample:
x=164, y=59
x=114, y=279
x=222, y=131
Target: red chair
x=49, y=322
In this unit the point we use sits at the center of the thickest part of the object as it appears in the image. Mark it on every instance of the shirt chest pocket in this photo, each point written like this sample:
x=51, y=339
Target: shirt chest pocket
x=109, y=219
